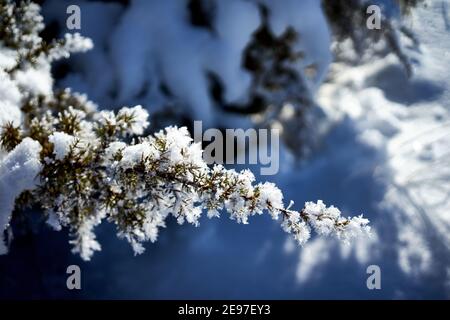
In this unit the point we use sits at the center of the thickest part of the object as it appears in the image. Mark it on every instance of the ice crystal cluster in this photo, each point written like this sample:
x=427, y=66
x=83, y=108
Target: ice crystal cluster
x=80, y=166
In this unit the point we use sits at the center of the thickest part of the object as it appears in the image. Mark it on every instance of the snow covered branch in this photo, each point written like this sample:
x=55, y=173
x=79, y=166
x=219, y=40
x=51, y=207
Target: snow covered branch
x=80, y=166
x=89, y=174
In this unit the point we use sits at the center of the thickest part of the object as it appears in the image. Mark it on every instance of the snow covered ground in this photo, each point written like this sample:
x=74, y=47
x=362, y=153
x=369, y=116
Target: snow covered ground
x=388, y=155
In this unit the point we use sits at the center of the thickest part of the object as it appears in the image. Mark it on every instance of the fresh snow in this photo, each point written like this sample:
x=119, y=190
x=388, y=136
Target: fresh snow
x=399, y=165
x=62, y=143
x=18, y=172
x=148, y=52
x=386, y=155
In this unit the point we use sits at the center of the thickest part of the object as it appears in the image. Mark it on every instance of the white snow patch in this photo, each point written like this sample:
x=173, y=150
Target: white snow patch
x=18, y=171
x=62, y=142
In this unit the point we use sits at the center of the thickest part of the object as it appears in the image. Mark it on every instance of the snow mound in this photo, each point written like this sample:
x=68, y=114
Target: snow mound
x=18, y=172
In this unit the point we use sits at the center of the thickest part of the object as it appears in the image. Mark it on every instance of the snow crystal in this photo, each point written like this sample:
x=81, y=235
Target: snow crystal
x=324, y=221
x=139, y=116
x=151, y=227
x=177, y=140
x=62, y=143
x=302, y=234
x=132, y=155
x=106, y=117
x=213, y=213
x=177, y=137
x=356, y=226
x=269, y=193
x=113, y=149
x=85, y=242
x=73, y=43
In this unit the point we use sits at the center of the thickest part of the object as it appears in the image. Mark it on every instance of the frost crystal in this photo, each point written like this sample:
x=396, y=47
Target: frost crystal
x=326, y=221
x=62, y=143
x=85, y=243
x=73, y=43
x=139, y=119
